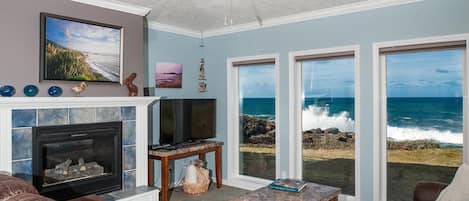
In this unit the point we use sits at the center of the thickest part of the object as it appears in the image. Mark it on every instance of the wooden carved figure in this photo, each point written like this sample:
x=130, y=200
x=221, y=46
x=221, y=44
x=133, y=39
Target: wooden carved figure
x=133, y=90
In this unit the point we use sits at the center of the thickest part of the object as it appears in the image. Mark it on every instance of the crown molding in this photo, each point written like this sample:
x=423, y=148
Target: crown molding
x=300, y=17
x=117, y=5
x=74, y=102
x=173, y=29
x=305, y=16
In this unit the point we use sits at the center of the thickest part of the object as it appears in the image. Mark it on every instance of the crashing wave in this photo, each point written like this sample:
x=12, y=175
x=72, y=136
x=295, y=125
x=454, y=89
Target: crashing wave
x=320, y=117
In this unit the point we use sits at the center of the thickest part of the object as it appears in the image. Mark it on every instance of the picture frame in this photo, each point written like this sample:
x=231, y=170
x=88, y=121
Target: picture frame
x=79, y=50
x=168, y=75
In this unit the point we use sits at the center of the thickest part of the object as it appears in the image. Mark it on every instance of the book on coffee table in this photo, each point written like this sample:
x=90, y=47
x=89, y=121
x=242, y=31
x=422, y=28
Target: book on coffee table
x=290, y=185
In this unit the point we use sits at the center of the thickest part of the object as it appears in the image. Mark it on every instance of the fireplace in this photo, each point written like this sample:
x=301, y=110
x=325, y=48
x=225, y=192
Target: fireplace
x=77, y=159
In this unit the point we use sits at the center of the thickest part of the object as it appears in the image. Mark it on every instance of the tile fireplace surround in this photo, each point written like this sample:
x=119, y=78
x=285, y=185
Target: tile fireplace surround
x=19, y=114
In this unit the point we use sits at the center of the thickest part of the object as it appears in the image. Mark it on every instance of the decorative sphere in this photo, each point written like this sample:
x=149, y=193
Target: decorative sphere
x=54, y=91
x=30, y=90
x=7, y=90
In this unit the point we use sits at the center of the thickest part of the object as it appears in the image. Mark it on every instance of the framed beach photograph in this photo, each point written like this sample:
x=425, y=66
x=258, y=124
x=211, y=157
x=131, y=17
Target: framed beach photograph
x=80, y=50
x=168, y=75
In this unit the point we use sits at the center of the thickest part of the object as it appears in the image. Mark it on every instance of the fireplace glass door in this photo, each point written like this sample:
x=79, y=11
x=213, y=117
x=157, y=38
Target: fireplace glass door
x=75, y=160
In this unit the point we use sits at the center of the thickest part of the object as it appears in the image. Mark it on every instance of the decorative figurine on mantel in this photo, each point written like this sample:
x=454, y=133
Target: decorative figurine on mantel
x=79, y=88
x=133, y=90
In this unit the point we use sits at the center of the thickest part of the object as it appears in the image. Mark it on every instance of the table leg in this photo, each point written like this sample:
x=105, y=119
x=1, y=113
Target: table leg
x=150, y=172
x=164, y=179
x=218, y=166
x=336, y=198
x=202, y=156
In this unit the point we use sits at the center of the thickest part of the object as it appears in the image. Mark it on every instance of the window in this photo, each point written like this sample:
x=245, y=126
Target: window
x=421, y=115
x=254, y=105
x=325, y=83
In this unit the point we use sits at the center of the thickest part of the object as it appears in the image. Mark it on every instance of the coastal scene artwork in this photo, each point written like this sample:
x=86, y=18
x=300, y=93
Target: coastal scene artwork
x=424, y=120
x=80, y=50
x=168, y=75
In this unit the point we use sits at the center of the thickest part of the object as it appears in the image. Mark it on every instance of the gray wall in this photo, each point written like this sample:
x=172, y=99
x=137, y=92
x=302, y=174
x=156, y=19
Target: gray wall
x=19, y=37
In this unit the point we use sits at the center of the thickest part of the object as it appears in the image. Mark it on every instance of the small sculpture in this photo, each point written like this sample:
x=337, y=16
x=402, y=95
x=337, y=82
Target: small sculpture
x=79, y=88
x=133, y=90
x=55, y=91
x=30, y=90
x=7, y=90
x=202, y=87
x=202, y=69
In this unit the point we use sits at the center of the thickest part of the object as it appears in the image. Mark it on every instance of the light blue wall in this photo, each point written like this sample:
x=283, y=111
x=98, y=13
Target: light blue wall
x=168, y=47
x=422, y=19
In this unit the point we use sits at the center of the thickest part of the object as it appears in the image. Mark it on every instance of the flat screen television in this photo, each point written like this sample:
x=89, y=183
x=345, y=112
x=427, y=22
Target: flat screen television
x=185, y=120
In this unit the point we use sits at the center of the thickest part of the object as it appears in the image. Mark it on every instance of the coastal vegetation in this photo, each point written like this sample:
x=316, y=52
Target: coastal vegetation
x=66, y=64
x=328, y=157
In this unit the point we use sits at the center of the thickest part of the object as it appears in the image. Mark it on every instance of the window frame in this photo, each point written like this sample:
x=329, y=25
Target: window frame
x=296, y=102
x=380, y=104
x=234, y=178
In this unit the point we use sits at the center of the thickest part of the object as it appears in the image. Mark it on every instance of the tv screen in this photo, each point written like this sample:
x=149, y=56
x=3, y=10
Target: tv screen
x=183, y=120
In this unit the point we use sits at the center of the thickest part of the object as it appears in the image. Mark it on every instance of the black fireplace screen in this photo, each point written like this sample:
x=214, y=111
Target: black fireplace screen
x=74, y=160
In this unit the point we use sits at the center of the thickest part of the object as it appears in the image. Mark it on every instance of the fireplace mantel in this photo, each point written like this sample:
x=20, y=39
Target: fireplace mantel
x=71, y=102
x=8, y=104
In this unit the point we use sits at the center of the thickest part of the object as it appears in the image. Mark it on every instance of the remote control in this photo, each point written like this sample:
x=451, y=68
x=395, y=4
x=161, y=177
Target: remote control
x=157, y=146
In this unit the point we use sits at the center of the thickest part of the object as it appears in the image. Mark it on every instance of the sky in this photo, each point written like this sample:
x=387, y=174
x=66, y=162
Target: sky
x=321, y=79
x=257, y=81
x=83, y=37
x=165, y=67
x=425, y=74
x=328, y=78
x=422, y=74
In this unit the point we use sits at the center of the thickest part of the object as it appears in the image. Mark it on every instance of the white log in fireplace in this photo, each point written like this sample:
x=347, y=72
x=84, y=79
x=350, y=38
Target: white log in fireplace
x=10, y=104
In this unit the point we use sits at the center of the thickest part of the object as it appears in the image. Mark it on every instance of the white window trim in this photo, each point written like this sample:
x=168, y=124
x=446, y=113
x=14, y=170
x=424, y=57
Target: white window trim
x=296, y=94
x=234, y=178
x=379, y=107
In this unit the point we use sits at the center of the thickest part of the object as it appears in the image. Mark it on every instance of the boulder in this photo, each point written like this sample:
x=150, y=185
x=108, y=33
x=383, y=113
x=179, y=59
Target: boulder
x=315, y=131
x=332, y=131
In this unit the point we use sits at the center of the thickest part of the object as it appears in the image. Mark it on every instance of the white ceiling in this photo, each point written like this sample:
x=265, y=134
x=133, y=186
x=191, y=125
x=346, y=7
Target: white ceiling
x=218, y=17
x=204, y=15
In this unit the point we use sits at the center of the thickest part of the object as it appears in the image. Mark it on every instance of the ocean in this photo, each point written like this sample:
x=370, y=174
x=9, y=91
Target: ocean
x=106, y=65
x=438, y=119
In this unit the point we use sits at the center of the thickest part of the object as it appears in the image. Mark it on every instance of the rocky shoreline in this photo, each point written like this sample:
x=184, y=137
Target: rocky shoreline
x=259, y=132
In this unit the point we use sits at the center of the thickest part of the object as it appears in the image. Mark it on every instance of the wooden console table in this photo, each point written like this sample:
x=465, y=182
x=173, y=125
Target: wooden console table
x=165, y=156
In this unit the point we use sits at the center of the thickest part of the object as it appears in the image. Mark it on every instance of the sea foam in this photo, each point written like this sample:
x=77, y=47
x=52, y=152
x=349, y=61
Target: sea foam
x=320, y=117
x=401, y=134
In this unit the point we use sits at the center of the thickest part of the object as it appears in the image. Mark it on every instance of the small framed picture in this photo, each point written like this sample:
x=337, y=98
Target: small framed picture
x=168, y=75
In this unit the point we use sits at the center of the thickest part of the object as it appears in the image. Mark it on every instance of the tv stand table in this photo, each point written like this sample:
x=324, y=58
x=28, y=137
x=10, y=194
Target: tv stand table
x=165, y=156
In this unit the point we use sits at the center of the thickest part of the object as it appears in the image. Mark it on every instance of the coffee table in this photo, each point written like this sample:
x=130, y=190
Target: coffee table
x=312, y=192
